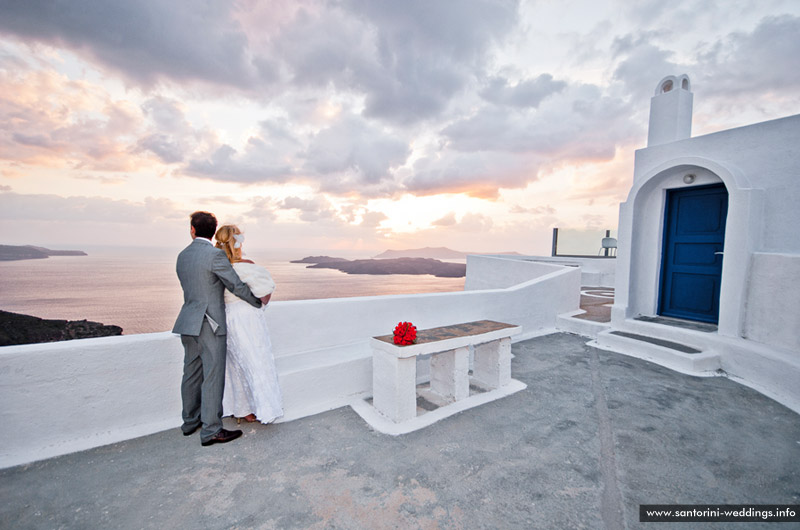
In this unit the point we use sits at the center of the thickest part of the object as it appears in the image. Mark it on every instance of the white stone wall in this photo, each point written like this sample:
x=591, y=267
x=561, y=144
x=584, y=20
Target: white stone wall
x=760, y=167
x=63, y=397
x=595, y=272
x=773, y=290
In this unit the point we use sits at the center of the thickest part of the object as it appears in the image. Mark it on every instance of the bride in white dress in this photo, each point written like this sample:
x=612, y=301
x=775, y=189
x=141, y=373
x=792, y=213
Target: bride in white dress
x=252, y=391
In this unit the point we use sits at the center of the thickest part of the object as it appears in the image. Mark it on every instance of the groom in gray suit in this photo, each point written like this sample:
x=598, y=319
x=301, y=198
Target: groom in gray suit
x=205, y=272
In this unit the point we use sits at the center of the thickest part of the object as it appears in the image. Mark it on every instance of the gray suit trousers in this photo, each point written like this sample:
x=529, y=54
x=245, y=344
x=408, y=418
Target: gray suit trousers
x=203, y=381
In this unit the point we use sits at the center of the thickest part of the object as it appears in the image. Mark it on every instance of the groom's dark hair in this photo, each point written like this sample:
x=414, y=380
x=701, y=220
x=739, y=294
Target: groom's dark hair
x=204, y=223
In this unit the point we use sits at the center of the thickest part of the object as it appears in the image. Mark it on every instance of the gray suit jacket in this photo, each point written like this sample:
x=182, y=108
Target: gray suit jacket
x=205, y=272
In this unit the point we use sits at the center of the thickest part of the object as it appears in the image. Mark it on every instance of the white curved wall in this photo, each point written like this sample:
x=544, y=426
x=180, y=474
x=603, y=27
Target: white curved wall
x=595, y=272
x=67, y=396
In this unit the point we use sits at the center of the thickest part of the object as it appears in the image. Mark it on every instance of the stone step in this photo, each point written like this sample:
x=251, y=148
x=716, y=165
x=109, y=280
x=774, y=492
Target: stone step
x=588, y=328
x=685, y=358
x=319, y=380
x=330, y=356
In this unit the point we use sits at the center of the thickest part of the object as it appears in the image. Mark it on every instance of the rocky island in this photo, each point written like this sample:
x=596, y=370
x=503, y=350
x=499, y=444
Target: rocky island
x=20, y=252
x=16, y=328
x=388, y=266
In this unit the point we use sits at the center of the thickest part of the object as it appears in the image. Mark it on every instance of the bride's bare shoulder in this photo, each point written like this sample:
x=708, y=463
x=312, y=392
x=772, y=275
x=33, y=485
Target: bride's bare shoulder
x=246, y=261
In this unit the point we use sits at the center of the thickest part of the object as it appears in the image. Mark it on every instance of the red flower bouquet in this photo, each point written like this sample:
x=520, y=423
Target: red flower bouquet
x=405, y=333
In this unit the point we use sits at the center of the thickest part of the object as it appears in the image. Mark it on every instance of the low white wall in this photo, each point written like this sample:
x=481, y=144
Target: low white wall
x=62, y=397
x=772, y=298
x=595, y=272
x=68, y=396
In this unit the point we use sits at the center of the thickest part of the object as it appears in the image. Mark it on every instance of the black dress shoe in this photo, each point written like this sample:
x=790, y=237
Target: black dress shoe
x=191, y=432
x=223, y=436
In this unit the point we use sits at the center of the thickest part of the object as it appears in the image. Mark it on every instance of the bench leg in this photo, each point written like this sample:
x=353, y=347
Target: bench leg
x=492, y=365
x=450, y=374
x=394, y=386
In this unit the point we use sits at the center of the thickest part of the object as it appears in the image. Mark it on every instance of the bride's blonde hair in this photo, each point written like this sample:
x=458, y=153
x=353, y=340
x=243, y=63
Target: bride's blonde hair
x=227, y=242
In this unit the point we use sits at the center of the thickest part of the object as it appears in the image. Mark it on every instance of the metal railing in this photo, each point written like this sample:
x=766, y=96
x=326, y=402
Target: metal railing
x=584, y=243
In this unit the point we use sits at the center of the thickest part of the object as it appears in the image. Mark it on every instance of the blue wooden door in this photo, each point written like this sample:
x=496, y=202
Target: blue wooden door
x=691, y=268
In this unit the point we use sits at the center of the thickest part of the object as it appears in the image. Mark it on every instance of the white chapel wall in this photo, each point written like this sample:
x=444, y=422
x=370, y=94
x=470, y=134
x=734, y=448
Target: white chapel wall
x=760, y=167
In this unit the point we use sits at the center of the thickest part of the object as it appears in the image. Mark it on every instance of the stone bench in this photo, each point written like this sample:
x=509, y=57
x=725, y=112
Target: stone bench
x=394, y=368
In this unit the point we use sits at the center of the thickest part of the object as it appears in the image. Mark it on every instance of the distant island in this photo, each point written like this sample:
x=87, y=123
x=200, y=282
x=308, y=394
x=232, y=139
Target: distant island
x=14, y=253
x=16, y=328
x=388, y=266
x=318, y=259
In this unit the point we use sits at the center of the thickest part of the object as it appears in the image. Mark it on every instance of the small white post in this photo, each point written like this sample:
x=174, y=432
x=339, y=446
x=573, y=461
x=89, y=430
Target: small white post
x=450, y=374
x=394, y=386
x=492, y=366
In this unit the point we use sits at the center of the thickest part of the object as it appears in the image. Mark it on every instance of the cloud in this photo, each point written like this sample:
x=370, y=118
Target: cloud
x=582, y=123
x=167, y=115
x=469, y=222
x=479, y=174
x=526, y=93
x=172, y=134
x=34, y=140
x=163, y=146
x=101, y=210
x=146, y=41
x=475, y=222
x=448, y=220
x=162, y=208
x=259, y=162
x=310, y=210
x=319, y=45
x=730, y=67
x=537, y=210
x=644, y=64
x=267, y=156
x=262, y=208
x=363, y=154
x=594, y=221
x=406, y=60
x=749, y=63
x=372, y=219
x=506, y=147
x=104, y=179
x=48, y=119
x=427, y=51
x=22, y=207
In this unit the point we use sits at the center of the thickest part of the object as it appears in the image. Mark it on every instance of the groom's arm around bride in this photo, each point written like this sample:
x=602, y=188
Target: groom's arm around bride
x=205, y=272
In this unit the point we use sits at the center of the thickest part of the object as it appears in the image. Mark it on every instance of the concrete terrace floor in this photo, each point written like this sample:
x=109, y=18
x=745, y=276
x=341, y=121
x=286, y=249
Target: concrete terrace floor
x=593, y=436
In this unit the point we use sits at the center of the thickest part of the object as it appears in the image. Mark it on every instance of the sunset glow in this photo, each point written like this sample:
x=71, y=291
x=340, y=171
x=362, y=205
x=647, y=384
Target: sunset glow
x=364, y=125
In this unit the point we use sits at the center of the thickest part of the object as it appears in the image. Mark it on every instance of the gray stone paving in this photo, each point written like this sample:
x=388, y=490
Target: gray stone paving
x=594, y=435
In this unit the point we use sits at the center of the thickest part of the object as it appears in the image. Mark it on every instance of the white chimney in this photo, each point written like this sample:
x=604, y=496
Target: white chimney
x=670, y=111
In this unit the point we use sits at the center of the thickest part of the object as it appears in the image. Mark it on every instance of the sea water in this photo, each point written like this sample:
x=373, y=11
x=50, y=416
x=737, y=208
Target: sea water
x=138, y=290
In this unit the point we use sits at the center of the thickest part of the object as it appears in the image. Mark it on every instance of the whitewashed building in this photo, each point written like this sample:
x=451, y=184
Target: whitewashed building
x=709, y=249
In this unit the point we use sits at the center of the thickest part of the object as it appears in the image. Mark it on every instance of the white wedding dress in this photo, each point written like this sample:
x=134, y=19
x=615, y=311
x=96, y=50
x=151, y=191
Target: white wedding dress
x=251, y=380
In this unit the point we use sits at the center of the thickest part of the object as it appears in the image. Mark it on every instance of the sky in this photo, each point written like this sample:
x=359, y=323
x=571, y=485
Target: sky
x=359, y=125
